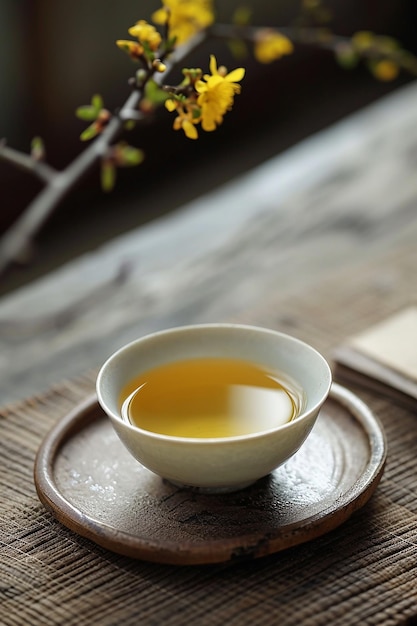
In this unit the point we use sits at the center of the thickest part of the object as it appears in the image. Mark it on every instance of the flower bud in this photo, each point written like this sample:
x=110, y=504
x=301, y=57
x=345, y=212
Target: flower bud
x=158, y=65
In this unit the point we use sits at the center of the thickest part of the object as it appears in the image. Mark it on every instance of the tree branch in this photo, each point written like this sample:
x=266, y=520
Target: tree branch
x=318, y=37
x=25, y=162
x=58, y=184
x=17, y=238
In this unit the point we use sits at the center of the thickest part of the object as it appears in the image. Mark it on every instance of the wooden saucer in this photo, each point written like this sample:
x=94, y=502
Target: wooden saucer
x=85, y=476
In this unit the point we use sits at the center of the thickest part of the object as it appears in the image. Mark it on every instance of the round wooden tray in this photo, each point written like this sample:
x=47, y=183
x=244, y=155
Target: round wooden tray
x=85, y=476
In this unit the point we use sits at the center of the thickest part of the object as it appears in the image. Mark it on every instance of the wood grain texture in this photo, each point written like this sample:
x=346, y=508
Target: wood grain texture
x=362, y=572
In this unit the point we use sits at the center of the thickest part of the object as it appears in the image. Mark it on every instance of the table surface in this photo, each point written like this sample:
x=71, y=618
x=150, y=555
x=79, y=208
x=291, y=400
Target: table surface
x=331, y=204
x=320, y=242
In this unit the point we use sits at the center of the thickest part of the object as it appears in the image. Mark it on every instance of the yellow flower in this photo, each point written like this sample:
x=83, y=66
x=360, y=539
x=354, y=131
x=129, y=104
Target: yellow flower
x=185, y=17
x=271, y=45
x=386, y=70
x=133, y=49
x=188, y=116
x=146, y=34
x=207, y=99
x=216, y=94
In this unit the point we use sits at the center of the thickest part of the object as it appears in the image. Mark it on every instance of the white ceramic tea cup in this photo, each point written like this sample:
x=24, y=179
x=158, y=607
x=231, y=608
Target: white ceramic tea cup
x=226, y=463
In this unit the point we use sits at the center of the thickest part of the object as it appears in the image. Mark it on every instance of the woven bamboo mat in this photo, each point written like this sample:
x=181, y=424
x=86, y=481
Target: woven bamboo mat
x=365, y=572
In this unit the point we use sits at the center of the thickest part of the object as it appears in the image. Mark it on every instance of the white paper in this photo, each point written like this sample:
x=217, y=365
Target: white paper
x=392, y=342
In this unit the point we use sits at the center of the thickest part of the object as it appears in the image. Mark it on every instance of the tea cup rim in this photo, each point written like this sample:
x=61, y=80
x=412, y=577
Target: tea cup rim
x=206, y=441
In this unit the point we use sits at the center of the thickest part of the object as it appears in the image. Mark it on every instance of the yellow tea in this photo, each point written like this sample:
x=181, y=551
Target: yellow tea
x=211, y=397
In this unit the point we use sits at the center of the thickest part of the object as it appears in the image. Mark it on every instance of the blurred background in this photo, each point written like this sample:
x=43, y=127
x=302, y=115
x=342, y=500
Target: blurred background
x=55, y=54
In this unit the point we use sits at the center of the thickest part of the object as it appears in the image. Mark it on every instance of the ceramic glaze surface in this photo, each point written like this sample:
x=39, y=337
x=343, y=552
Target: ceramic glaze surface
x=227, y=463
x=96, y=488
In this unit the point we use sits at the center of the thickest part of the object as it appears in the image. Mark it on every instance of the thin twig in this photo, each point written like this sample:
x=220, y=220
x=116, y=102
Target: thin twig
x=131, y=115
x=19, y=236
x=318, y=37
x=297, y=34
x=27, y=163
x=59, y=184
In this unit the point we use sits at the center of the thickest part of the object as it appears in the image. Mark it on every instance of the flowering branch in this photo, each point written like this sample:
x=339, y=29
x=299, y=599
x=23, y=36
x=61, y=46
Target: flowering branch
x=17, y=239
x=199, y=101
x=383, y=55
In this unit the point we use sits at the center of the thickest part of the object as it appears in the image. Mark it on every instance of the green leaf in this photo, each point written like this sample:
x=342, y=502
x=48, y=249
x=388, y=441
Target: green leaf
x=89, y=133
x=154, y=93
x=150, y=55
x=37, y=149
x=196, y=113
x=130, y=125
x=347, y=57
x=87, y=113
x=108, y=176
x=130, y=156
x=169, y=44
x=97, y=102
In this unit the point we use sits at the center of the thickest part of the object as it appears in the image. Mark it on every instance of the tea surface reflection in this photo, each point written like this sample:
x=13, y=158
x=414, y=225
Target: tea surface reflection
x=211, y=398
